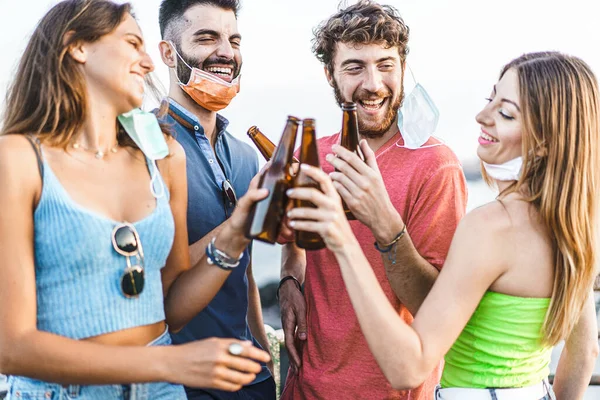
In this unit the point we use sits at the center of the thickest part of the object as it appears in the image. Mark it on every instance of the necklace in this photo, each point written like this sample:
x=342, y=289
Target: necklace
x=99, y=154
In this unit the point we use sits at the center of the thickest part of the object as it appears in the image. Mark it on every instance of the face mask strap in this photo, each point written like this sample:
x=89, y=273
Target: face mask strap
x=443, y=143
x=155, y=177
x=182, y=60
x=411, y=74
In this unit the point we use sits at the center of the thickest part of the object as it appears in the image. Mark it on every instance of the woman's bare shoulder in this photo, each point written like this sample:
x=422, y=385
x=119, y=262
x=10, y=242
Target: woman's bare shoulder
x=19, y=169
x=17, y=151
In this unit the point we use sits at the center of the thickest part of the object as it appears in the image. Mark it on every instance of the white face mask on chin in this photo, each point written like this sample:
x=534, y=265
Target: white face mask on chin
x=508, y=171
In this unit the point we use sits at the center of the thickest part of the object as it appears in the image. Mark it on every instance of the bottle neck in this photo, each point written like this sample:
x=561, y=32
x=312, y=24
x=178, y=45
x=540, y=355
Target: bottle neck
x=285, y=150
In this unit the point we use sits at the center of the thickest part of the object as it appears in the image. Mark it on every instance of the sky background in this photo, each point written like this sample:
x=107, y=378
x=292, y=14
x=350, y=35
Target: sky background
x=457, y=49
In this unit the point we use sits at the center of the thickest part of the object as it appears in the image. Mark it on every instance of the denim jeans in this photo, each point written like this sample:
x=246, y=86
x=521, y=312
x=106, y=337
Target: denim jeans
x=21, y=388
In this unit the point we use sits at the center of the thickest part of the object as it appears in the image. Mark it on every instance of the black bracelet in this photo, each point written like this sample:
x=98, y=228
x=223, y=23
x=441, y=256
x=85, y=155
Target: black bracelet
x=388, y=247
x=287, y=278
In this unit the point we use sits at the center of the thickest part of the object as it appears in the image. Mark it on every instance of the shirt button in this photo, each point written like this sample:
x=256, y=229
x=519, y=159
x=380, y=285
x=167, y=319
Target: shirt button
x=196, y=127
x=211, y=161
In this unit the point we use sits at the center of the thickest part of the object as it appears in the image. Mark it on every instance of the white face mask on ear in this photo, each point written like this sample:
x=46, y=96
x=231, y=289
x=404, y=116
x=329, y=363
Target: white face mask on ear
x=418, y=117
x=508, y=171
x=145, y=131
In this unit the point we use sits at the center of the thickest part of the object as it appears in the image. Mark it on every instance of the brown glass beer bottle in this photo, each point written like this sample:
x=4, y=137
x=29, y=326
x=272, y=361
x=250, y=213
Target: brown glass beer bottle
x=264, y=220
x=308, y=155
x=262, y=143
x=349, y=139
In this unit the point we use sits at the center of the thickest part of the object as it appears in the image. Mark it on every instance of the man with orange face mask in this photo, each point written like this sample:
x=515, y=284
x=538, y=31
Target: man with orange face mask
x=201, y=47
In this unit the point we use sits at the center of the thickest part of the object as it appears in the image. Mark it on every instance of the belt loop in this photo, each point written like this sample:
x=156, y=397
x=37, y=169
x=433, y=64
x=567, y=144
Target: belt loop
x=493, y=394
x=126, y=392
x=138, y=391
x=74, y=391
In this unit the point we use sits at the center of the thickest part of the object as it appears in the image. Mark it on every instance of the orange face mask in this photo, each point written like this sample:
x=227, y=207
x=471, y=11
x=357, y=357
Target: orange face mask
x=207, y=90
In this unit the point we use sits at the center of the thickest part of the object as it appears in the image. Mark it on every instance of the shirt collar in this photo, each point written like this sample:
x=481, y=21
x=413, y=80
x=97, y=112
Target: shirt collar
x=190, y=119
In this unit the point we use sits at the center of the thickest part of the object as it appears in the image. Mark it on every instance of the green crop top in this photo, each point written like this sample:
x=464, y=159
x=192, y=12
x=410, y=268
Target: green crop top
x=500, y=347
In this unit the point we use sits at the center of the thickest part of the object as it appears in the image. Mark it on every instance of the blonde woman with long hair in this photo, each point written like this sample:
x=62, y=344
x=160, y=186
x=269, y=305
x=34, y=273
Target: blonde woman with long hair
x=519, y=274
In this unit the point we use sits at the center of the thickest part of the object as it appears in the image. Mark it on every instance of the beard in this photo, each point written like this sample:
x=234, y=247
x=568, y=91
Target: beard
x=373, y=130
x=184, y=72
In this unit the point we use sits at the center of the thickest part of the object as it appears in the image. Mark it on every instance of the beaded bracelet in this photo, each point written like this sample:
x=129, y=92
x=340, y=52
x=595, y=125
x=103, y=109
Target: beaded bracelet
x=220, y=258
x=388, y=247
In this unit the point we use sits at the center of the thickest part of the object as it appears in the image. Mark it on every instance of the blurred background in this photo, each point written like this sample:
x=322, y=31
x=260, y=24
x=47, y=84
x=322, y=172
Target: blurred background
x=457, y=49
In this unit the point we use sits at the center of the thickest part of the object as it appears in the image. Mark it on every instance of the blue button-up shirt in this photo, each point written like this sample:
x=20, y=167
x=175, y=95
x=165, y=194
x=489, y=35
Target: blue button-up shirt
x=208, y=207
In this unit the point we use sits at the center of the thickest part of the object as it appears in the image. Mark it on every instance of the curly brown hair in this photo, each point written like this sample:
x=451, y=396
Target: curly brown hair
x=365, y=22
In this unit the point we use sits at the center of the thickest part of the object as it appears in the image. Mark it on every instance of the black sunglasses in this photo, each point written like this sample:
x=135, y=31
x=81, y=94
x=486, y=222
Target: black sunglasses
x=229, y=197
x=126, y=242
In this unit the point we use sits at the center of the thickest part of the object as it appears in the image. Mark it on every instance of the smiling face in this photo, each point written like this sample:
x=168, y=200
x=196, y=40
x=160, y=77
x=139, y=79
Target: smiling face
x=371, y=76
x=211, y=42
x=115, y=65
x=501, y=122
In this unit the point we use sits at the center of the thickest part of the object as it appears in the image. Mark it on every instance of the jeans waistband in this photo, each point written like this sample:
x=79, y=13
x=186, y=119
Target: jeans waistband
x=163, y=340
x=23, y=387
x=539, y=391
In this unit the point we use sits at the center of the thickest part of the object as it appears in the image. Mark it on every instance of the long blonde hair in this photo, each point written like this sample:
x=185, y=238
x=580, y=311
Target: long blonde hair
x=561, y=136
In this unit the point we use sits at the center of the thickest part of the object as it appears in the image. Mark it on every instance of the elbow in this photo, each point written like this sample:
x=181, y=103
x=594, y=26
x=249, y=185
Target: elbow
x=584, y=355
x=590, y=352
x=406, y=382
x=174, y=324
x=176, y=316
x=406, y=379
x=175, y=329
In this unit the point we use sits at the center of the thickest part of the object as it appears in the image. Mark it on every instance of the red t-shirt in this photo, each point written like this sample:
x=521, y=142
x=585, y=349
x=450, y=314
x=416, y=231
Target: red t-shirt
x=428, y=188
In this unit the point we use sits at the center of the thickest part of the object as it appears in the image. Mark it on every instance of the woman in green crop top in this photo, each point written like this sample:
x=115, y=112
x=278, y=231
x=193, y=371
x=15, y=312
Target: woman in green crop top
x=518, y=275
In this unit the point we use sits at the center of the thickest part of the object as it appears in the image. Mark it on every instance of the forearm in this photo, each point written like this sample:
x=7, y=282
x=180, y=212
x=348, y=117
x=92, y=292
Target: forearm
x=53, y=358
x=194, y=289
x=578, y=358
x=293, y=261
x=573, y=375
x=198, y=248
x=377, y=317
x=410, y=276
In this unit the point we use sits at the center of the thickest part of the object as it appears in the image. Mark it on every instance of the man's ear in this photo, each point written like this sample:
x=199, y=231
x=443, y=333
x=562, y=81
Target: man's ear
x=167, y=54
x=329, y=76
x=77, y=50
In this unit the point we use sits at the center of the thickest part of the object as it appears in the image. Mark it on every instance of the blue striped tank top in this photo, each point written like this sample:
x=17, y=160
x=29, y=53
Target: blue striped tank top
x=78, y=272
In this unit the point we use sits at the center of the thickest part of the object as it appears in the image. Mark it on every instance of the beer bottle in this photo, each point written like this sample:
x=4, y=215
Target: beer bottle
x=264, y=220
x=262, y=143
x=308, y=155
x=349, y=139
